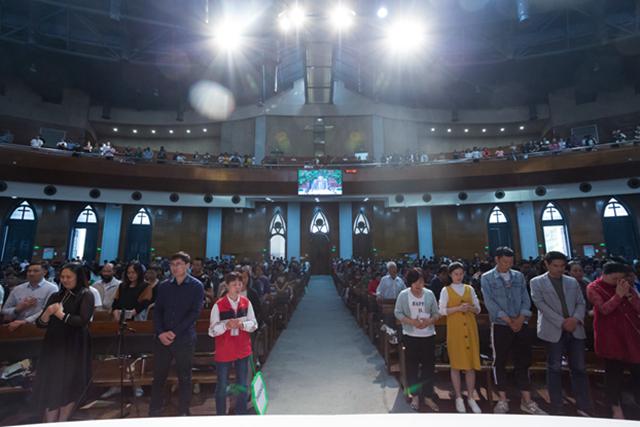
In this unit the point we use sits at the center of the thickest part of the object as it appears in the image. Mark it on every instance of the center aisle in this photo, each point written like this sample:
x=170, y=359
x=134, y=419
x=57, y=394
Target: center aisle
x=324, y=364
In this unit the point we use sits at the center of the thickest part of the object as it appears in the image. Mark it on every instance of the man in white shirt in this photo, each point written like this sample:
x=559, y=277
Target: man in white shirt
x=26, y=301
x=107, y=286
x=37, y=142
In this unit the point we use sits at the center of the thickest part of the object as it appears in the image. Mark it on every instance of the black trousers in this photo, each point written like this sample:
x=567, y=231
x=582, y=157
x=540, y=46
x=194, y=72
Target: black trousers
x=420, y=362
x=163, y=355
x=504, y=342
x=614, y=376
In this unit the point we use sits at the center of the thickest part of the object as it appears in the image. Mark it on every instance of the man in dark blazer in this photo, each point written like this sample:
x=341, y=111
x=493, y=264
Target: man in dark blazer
x=561, y=310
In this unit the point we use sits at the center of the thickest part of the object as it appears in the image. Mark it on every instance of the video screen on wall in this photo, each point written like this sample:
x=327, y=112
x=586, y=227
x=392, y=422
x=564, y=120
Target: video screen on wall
x=319, y=182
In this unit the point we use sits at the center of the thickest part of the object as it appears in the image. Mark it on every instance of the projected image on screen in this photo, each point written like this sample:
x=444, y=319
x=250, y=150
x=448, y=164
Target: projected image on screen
x=319, y=182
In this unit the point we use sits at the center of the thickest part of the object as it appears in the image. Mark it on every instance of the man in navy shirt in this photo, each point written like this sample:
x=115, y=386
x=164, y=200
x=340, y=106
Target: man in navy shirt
x=178, y=305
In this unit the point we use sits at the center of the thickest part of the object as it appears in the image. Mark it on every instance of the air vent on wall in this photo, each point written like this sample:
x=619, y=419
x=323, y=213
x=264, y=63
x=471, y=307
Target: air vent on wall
x=235, y=199
x=3, y=186
x=399, y=198
x=208, y=198
x=174, y=197
x=633, y=183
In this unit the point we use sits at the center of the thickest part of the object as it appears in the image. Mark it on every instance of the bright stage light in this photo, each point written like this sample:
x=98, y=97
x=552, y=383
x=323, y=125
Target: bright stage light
x=229, y=33
x=342, y=17
x=292, y=18
x=406, y=35
x=382, y=12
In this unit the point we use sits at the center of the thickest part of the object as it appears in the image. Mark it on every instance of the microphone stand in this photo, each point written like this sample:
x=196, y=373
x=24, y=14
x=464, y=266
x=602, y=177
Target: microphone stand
x=123, y=328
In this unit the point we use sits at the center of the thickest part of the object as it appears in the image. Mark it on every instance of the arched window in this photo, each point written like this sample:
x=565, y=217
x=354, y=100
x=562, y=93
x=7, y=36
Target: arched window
x=139, y=237
x=361, y=224
x=554, y=230
x=499, y=230
x=277, y=231
x=620, y=233
x=18, y=233
x=319, y=223
x=84, y=235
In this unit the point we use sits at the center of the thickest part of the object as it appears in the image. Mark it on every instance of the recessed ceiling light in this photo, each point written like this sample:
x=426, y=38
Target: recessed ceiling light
x=170, y=130
x=153, y=131
x=521, y=127
x=449, y=130
x=483, y=130
x=135, y=131
x=204, y=130
x=501, y=129
x=115, y=129
x=466, y=131
x=188, y=130
x=433, y=129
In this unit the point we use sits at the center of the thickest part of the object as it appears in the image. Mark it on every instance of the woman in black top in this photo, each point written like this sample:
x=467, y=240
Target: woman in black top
x=128, y=295
x=64, y=368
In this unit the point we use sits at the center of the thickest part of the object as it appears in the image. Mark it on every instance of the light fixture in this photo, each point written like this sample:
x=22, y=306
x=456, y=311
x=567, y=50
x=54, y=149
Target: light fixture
x=501, y=129
x=433, y=129
x=135, y=131
x=229, y=34
x=466, y=130
x=188, y=130
x=521, y=127
x=405, y=35
x=342, y=17
x=366, y=199
x=153, y=131
x=317, y=200
x=449, y=130
x=268, y=199
x=171, y=131
x=292, y=18
x=204, y=130
x=382, y=12
x=115, y=129
x=484, y=130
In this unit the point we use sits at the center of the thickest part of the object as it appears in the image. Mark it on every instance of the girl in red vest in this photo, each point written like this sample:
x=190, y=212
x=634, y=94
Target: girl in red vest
x=232, y=320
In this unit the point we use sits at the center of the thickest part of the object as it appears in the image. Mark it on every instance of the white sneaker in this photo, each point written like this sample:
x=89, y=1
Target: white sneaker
x=502, y=407
x=460, y=405
x=474, y=406
x=110, y=393
x=532, y=408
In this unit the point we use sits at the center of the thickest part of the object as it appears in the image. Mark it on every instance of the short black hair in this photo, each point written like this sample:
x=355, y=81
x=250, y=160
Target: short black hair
x=574, y=262
x=181, y=255
x=38, y=263
x=554, y=255
x=505, y=251
x=612, y=267
x=443, y=269
x=413, y=275
x=198, y=258
x=232, y=277
x=454, y=266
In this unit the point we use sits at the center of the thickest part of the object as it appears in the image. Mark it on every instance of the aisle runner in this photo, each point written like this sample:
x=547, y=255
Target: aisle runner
x=324, y=364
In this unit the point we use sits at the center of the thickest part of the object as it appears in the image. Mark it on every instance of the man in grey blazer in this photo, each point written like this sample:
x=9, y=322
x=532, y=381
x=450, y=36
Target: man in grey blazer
x=561, y=310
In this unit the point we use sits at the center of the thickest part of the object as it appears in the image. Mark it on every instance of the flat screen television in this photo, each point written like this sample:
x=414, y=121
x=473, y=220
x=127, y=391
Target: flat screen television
x=319, y=182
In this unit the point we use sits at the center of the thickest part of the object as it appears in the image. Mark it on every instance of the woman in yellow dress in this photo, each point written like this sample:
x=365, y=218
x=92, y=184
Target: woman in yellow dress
x=460, y=304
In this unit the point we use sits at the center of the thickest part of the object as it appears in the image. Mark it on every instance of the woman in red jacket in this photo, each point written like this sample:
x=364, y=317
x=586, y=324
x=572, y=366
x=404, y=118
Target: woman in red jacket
x=232, y=320
x=616, y=326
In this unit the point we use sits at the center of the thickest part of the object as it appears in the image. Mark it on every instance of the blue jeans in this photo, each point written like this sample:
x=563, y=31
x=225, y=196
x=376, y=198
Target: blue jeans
x=241, y=391
x=575, y=349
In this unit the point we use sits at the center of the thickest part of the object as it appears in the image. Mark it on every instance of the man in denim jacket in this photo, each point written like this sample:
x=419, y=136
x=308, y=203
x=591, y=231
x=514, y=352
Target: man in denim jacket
x=506, y=297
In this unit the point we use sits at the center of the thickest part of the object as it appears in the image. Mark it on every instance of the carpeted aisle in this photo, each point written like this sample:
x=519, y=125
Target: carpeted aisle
x=323, y=363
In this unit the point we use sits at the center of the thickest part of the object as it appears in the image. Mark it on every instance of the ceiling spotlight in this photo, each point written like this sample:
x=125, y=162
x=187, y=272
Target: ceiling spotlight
x=153, y=131
x=188, y=130
x=433, y=129
x=449, y=130
x=366, y=199
x=228, y=34
x=521, y=127
x=342, y=17
x=292, y=18
x=501, y=129
x=466, y=131
x=484, y=130
x=204, y=130
x=382, y=12
x=317, y=200
x=135, y=131
x=115, y=129
x=171, y=131
x=405, y=35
